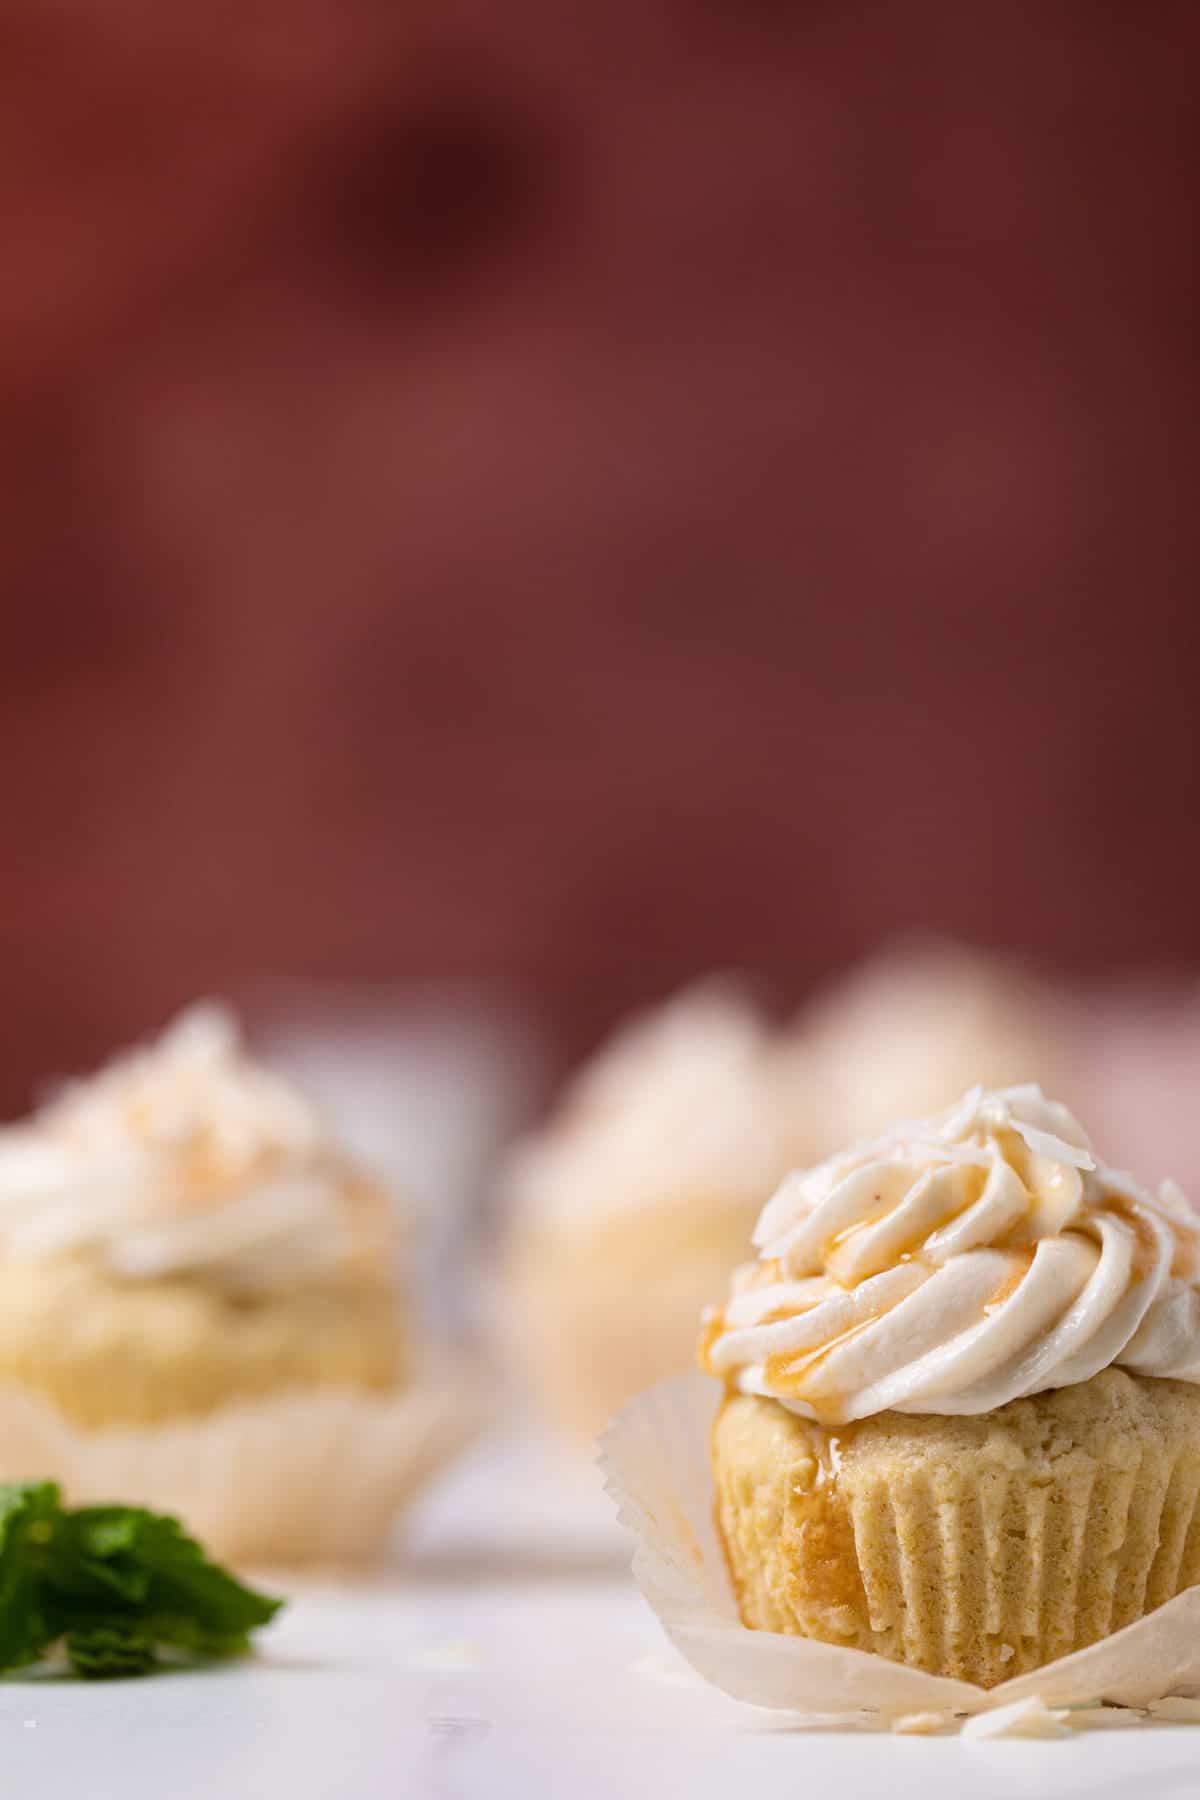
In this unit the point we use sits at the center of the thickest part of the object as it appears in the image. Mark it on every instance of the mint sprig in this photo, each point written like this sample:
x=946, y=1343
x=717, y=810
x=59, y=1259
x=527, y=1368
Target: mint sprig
x=103, y=1651
x=114, y=1584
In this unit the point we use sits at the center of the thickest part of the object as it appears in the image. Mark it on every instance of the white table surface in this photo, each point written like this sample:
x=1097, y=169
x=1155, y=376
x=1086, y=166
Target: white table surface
x=506, y=1656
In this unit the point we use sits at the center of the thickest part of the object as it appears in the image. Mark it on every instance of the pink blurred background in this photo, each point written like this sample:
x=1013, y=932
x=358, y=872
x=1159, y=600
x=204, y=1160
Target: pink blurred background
x=557, y=499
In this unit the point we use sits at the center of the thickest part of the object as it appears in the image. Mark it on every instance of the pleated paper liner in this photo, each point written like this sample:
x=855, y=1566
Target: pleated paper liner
x=943, y=1545
x=304, y=1477
x=655, y=1458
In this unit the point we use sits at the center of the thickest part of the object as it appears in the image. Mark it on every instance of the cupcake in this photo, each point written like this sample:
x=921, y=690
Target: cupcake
x=905, y=1033
x=198, y=1303
x=637, y=1200
x=961, y=1424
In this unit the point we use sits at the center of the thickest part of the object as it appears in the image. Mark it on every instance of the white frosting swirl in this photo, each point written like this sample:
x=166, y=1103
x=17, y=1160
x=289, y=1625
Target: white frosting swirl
x=959, y=1262
x=183, y=1158
x=676, y=1110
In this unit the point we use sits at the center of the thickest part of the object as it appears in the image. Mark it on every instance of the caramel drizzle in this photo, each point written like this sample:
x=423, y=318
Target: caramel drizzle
x=790, y=1373
x=1012, y=1280
x=910, y=1247
x=712, y=1328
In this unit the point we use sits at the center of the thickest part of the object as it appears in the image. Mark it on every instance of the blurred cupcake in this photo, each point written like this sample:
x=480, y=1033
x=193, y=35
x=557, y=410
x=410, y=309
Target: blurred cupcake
x=907, y=1032
x=962, y=1415
x=199, y=1305
x=638, y=1195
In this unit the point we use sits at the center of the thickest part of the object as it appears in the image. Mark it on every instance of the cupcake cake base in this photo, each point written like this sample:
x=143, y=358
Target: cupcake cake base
x=656, y=1459
x=977, y=1547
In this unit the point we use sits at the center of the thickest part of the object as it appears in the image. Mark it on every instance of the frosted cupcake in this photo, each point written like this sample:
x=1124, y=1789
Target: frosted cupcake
x=638, y=1199
x=198, y=1303
x=962, y=1419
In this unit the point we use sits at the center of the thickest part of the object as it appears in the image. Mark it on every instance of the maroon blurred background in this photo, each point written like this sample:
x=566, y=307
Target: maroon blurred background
x=579, y=495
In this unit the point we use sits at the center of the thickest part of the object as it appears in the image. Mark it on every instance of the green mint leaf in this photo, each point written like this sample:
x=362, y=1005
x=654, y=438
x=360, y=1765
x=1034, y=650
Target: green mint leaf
x=195, y=1603
x=113, y=1648
x=95, y=1570
x=30, y=1515
x=112, y=1582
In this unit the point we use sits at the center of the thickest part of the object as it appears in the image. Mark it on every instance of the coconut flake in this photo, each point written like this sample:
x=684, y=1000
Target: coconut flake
x=1044, y=1143
x=1030, y=1718
x=921, y=1724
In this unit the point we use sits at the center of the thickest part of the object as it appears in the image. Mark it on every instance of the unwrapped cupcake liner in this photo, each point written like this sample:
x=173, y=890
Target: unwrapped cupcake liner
x=302, y=1477
x=655, y=1459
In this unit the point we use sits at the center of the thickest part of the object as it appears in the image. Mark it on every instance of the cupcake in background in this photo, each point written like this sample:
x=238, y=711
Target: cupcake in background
x=1138, y=1055
x=200, y=1306
x=640, y=1192
x=905, y=1033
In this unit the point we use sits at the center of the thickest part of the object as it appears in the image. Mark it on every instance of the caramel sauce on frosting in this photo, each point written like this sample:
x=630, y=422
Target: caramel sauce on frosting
x=956, y=1263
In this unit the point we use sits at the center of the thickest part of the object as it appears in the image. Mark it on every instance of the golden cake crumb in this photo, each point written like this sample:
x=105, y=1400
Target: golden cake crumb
x=977, y=1547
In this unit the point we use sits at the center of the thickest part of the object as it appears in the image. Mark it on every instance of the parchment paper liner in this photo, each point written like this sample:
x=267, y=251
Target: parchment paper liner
x=655, y=1461
x=314, y=1476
